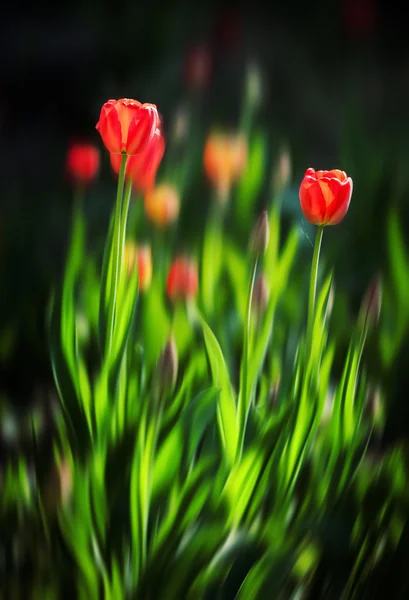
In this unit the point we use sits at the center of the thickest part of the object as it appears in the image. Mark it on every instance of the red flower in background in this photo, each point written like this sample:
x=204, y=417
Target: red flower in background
x=143, y=167
x=127, y=126
x=325, y=196
x=198, y=67
x=228, y=30
x=360, y=17
x=183, y=279
x=82, y=163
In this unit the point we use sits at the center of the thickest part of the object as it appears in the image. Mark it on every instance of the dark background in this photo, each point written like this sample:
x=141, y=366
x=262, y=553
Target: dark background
x=336, y=78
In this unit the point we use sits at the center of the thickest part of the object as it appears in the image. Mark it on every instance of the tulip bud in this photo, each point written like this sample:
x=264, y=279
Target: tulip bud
x=371, y=304
x=282, y=171
x=273, y=393
x=330, y=301
x=59, y=486
x=198, y=67
x=260, y=235
x=254, y=84
x=168, y=365
x=180, y=127
x=261, y=295
x=372, y=407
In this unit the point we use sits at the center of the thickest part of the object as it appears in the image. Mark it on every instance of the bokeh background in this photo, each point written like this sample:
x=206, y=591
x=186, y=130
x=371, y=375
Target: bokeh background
x=335, y=92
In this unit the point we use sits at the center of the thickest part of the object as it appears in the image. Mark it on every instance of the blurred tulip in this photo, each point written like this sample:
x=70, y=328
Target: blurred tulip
x=360, y=17
x=140, y=257
x=162, y=204
x=127, y=126
x=142, y=168
x=168, y=365
x=260, y=235
x=325, y=196
x=225, y=158
x=198, y=67
x=82, y=163
x=282, y=171
x=180, y=126
x=254, y=84
x=59, y=486
x=183, y=280
x=261, y=295
x=371, y=304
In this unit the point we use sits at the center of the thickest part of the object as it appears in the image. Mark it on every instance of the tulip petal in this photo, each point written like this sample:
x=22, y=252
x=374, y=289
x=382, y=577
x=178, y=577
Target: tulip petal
x=109, y=128
x=141, y=129
x=339, y=208
x=312, y=201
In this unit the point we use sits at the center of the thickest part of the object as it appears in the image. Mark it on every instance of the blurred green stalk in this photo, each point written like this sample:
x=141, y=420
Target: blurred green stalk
x=313, y=286
x=119, y=223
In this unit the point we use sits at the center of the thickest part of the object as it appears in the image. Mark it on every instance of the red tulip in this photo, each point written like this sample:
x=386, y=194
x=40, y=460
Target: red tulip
x=198, y=67
x=127, y=126
x=83, y=162
x=142, y=168
x=325, y=196
x=360, y=17
x=183, y=281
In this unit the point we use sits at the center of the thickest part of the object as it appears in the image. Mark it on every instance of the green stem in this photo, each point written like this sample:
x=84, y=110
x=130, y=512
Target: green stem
x=148, y=461
x=313, y=286
x=125, y=211
x=116, y=239
x=245, y=395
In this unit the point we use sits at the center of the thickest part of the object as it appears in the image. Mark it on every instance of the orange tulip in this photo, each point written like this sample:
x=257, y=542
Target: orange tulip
x=225, y=158
x=183, y=280
x=83, y=162
x=140, y=257
x=325, y=196
x=127, y=126
x=142, y=168
x=162, y=204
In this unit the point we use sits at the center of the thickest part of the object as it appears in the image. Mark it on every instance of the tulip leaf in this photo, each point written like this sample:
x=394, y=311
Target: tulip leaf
x=226, y=412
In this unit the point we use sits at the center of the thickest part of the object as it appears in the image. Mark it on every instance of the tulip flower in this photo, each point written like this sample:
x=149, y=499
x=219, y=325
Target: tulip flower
x=82, y=163
x=140, y=257
x=183, y=281
x=142, y=168
x=225, y=158
x=127, y=126
x=325, y=196
x=162, y=204
x=198, y=67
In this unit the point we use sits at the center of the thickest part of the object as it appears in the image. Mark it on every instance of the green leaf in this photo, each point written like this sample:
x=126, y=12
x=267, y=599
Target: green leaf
x=226, y=412
x=196, y=417
x=252, y=179
x=212, y=259
x=398, y=260
x=277, y=278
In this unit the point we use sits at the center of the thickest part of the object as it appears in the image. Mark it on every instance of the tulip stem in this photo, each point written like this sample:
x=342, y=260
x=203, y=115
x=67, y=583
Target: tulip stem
x=116, y=250
x=245, y=394
x=313, y=286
